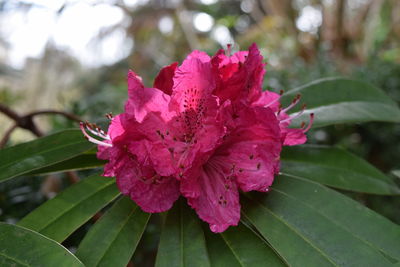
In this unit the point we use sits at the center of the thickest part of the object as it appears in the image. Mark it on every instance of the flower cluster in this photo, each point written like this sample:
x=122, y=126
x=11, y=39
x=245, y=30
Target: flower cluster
x=204, y=131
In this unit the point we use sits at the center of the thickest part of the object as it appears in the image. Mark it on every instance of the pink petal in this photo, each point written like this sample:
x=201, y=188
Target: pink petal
x=164, y=80
x=268, y=99
x=198, y=127
x=153, y=193
x=218, y=203
x=115, y=130
x=200, y=55
x=194, y=81
x=252, y=149
x=144, y=100
x=241, y=79
x=294, y=137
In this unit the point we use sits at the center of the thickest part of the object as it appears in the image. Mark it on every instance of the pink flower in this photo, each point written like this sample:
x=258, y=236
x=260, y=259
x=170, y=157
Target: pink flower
x=205, y=131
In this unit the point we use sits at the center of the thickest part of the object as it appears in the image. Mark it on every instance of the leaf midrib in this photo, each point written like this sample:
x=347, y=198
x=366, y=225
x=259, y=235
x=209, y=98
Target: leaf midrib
x=296, y=232
x=333, y=219
x=51, y=221
x=355, y=102
x=13, y=259
x=41, y=153
x=232, y=250
x=305, y=162
x=122, y=225
x=329, y=219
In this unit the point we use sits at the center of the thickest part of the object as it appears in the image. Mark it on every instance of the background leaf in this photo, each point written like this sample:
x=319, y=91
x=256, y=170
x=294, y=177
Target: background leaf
x=340, y=100
x=337, y=168
x=24, y=158
x=23, y=247
x=182, y=239
x=113, y=239
x=61, y=216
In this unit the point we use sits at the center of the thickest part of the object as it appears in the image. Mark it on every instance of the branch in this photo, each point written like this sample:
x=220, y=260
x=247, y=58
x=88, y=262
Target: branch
x=10, y=113
x=67, y=115
x=26, y=121
x=7, y=135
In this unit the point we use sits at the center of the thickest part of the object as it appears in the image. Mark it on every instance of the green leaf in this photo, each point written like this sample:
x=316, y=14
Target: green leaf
x=349, y=214
x=249, y=249
x=340, y=100
x=42, y=152
x=337, y=168
x=62, y=215
x=24, y=247
x=80, y=162
x=182, y=239
x=113, y=239
x=303, y=235
x=219, y=252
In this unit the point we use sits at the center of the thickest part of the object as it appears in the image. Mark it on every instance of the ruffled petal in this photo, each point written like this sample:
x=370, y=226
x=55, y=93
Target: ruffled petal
x=145, y=100
x=198, y=127
x=112, y=154
x=268, y=99
x=200, y=55
x=164, y=80
x=194, y=81
x=251, y=151
x=152, y=192
x=294, y=137
x=240, y=75
x=218, y=203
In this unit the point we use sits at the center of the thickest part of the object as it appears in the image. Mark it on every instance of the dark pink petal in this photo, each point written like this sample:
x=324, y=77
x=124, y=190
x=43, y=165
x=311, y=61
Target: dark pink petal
x=252, y=149
x=149, y=142
x=152, y=192
x=218, y=202
x=164, y=80
x=241, y=79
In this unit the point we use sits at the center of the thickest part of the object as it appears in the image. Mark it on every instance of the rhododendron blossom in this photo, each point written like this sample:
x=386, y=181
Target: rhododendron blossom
x=204, y=131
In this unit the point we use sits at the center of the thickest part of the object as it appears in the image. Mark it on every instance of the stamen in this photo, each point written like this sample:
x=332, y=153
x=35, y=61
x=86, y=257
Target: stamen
x=272, y=102
x=99, y=132
x=109, y=116
x=91, y=139
x=298, y=114
x=310, y=123
x=294, y=103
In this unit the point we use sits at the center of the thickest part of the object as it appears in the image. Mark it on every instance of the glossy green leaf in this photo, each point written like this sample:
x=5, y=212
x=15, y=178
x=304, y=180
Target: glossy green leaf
x=182, y=239
x=113, y=239
x=23, y=247
x=340, y=100
x=249, y=249
x=337, y=168
x=219, y=253
x=304, y=235
x=360, y=221
x=80, y=162
x=42, y=152
x=61, y=216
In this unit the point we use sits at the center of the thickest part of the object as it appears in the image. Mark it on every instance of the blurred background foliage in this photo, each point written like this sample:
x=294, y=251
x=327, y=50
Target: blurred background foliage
x=73, y=56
